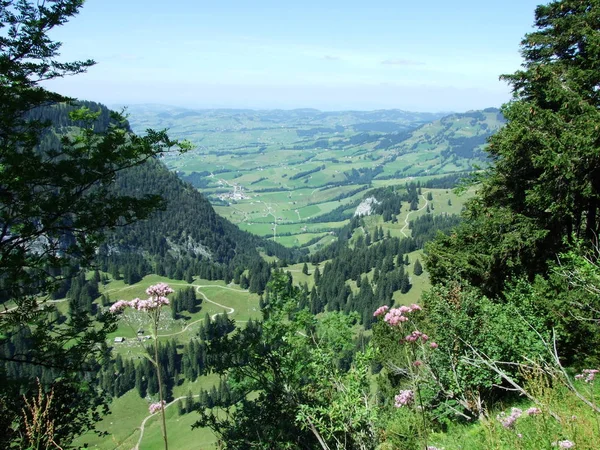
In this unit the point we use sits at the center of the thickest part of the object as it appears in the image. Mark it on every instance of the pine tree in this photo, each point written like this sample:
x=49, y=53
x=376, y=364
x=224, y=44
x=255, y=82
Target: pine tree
x=417, y=269
x=543, y=189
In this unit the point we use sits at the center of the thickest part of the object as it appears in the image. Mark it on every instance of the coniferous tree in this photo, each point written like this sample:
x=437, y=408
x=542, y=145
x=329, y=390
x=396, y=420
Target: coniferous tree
x=417, y=269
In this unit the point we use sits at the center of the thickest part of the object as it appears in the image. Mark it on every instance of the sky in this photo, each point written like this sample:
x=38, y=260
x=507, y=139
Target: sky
x=420, y=55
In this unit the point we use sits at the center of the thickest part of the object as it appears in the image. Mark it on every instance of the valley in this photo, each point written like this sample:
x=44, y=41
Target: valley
x=297, y=176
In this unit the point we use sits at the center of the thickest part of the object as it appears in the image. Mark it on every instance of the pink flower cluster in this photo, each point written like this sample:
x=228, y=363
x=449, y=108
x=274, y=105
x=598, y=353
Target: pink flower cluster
x=155, y=407
x=533, y=411
x=404, y=398
x=119, y=306
x=381, y=310
x=158, y=298
x=159, y=290
x=564, y=444
x=395, y=316
x=509, y=421
x=588, y=374
x=415, y=336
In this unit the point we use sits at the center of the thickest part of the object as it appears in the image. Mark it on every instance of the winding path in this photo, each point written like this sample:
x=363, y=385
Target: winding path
x=410, y=212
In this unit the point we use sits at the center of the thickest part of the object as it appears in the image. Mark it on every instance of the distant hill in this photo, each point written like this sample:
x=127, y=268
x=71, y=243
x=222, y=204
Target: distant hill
x=308, y=122
x=462, y=135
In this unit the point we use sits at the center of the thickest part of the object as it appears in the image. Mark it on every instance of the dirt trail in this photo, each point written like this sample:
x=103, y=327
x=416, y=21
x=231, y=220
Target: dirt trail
x=410, y=212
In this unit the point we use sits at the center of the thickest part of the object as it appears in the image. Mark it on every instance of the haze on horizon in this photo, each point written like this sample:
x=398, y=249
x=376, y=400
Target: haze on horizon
x=266, y=54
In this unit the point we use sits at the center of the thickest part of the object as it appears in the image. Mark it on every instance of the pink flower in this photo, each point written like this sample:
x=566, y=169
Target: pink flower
x=433, y=345
x=415, y=307
x=394, y=317
x=508, y=422
x=565, y=444
x=381, y=310
x=157, y=299
x=591, y=374
x=588, y=374
x=159, y=290
x=417, y=363
x=118, y=306
x=404, y=398
x=155, y=407
x=533, y=411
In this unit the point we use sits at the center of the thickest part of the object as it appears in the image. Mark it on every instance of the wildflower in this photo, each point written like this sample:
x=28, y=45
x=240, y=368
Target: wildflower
x=404, y=398
x=564, y=444
x=155, y=407
x=415, y=336
x=433, y=345
x=159, y=290
x=415, y=307
x=588, y=374
x=417, y=363
x=118, y=306
x=591, y=374
x=508, y=422
x=394, y=317
x=516, y=412
x=533, y=411
x=381, y=310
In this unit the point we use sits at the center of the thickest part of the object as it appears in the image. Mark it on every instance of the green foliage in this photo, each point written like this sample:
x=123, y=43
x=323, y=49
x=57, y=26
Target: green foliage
x=498, y=295
x=477, y=329
x=543, y=185
x=283, y=375
x=56, y=202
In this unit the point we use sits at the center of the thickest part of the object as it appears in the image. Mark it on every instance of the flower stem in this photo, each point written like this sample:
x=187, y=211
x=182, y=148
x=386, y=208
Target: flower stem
x=160, y=388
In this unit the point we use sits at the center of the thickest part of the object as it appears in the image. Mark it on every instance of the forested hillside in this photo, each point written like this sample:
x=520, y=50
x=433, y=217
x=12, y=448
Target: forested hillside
x=184, y=237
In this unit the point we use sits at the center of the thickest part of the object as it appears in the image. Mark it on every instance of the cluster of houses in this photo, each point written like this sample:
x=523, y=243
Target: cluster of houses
x=140, y=337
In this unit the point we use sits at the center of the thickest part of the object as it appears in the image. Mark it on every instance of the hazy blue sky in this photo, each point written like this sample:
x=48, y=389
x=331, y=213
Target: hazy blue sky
x=422, y=55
